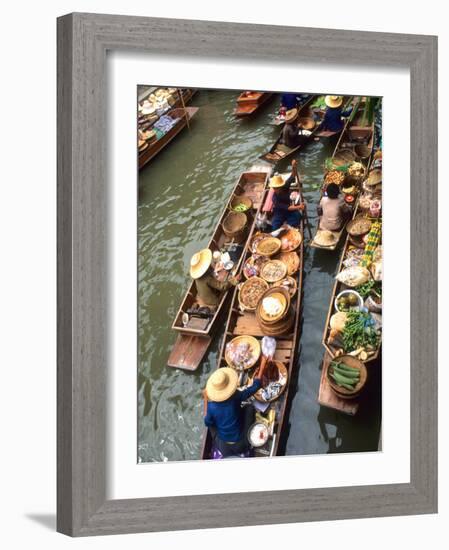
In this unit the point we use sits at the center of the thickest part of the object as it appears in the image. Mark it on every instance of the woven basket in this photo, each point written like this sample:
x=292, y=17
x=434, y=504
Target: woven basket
x=255, y=346
x=268, y=246
x=240, y=199
x=306, y=123
x=261, y=317
x=282, y=327
x=282, y=369
x=235, y=226
x=253, y=281
x=343, y=156
x=343, y=392
x=362, y=151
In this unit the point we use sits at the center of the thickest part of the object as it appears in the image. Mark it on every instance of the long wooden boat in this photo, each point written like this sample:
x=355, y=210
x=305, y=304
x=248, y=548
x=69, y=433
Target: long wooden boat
x=182, y=117
x=337, y=288
x=280, y=152
x=355, y=135
x=249, y=102
x=194, y=337
x=245, y=323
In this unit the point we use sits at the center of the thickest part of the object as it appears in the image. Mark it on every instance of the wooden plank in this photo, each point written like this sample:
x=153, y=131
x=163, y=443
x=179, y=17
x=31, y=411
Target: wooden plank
x=328, y=398
x=188, y=352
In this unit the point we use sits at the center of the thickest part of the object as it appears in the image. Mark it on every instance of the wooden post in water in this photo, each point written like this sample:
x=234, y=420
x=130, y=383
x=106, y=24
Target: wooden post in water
x=184, y=107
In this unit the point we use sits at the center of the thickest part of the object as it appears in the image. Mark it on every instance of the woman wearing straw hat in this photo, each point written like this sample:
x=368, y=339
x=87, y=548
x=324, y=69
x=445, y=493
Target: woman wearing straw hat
x=209, y=289
x=224, y=413
x=290, y=136
x=333, y=118
x=333, y=210
x=284, y=212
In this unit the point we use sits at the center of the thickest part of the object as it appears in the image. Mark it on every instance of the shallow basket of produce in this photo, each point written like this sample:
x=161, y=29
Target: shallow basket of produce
x=240, y=203
x=347, y=376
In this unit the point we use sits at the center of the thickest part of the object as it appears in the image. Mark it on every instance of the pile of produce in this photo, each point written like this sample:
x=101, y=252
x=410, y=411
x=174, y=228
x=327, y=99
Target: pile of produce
x=273, y=271
x=356, y=170
x=240, y=208
x=344, y=376
x=242, y=352
x=290, y=240
x=359, y=332
x=354, y=276
x=348, y=302
x=370, y=287
x=268, y=246
x=251, y=292
x=334, y=176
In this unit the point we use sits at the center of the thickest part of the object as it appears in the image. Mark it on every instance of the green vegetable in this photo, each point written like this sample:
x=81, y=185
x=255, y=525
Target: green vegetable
x=347, y=374
x=359, y=332
x=340, y=379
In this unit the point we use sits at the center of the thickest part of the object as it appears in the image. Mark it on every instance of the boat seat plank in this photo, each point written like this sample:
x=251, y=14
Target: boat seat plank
x=327, y=398
x=188, y=351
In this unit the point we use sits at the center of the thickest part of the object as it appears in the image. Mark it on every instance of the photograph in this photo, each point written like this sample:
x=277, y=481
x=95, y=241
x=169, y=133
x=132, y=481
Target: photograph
x=259, y=273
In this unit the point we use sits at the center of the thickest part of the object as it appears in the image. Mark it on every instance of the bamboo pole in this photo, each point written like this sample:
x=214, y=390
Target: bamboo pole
x=184, y=107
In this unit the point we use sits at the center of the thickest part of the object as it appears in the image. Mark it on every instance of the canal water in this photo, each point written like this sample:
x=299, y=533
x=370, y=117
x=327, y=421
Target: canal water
x=181, y=195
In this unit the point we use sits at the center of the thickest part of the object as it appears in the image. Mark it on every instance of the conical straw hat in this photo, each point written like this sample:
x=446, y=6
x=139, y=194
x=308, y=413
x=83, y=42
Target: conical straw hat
x=325, y=238
x=291, y=115
x=333, y=101
x=222, y=384
x=200, y=263
x=277, y=181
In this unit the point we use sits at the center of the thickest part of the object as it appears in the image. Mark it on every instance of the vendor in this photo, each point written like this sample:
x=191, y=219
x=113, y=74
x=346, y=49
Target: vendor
x=289, y=101
x=225, y=415
x=333, y=118
x=209, y=288
x=284, y=212
x=333, y=210
x=290, y=136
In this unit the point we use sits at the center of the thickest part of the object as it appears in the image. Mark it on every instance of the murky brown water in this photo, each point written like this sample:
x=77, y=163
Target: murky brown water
x=182, y=192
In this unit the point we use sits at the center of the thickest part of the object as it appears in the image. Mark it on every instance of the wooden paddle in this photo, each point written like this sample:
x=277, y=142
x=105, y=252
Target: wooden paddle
x=301, y=197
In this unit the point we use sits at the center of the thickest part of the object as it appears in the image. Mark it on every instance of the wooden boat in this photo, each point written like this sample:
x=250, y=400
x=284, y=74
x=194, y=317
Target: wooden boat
x=280, y=152
x=249, y=102
x=182, y=98
x=326, y=396
x=338, y=287
x=354, y=135
x=194, y=337
x=183, y=116
x=245, y=323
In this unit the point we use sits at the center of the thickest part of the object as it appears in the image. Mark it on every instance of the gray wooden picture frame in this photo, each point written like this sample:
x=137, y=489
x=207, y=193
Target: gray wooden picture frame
x=83, y=40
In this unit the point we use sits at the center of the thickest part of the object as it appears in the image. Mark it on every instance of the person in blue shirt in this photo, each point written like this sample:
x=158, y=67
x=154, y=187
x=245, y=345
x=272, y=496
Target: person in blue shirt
x=289, y=101
x=284, y=212
x=333, y=118
x=225, y=415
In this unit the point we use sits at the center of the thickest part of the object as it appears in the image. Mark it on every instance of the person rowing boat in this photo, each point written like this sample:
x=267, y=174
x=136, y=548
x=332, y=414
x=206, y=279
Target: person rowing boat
x=285, y=211
x=224, y=413
x=333, y=118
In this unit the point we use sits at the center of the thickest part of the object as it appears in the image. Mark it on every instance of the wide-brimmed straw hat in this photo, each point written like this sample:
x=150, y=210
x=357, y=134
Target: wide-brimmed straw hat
x=200, y=263
x=333, y=101
x=291, y=115
x=277, y=181
x=324, y=237
x=374, y=177
x=222, y=384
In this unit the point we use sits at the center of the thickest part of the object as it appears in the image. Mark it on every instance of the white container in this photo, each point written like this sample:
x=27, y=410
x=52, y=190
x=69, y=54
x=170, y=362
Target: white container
x=346, y=293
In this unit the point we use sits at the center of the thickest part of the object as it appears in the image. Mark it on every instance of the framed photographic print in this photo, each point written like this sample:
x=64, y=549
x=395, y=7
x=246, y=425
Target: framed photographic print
x=246, y=274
